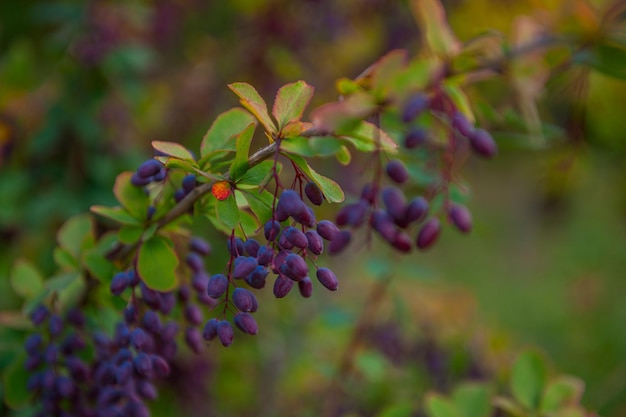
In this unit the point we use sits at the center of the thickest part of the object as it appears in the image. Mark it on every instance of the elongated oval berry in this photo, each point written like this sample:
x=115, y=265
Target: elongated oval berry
x=246, y=323
x=327, y=278
x=429, y=233
x=397, y=171
x=39, y=315
x=225, y=333
x=251, y=246
x=282, y=286
x=149, y=168
x=244, y=265
x=200, y=246
x=313, y=193
x=189, y=183
x=119, y=283
x=218, y=284
x=327, y=229
x=65, y=386
x=271, y=230
x=265, y=255
x=414, y=107
x=290, y=204
x=369, y=192
x=462, y=124
x=193, y=339
x=461, y=217
x=284, y=243
x=383, y=224
x=152, y=322
x=142, y=364
x=279, y=260
x=257, y=278
x=123, y=372
x=193, y=314
x=482, y=143
x=210, y=330
x=238, y=249
x=416, y=210
x=340, y=242
x=55, y=325
x=145, y=389
x=402, y=242
x=33, y=343
x=200, y=282
x=243, y=299
x=415, y=137
x=315, y=242
x=139, y=339
x=395, y=203
x=296, y=237
x=151, y=297
x=160, y=365
x=352, y=214
x=305, y=287
x=305, y=217
x=297, y=265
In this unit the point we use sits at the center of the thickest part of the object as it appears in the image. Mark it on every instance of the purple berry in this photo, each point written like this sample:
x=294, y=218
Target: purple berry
x=315, y=242
x=340, y=242
x=429, y=233
x=415, y=137
x=160, y=365
x=295, y=237
x=461, y=217
x=251, y=246
x=290, y=203
x=414, y=107
x=296, y=267
x=327, y=229
x=352, y=214
x=210, y=330
x=149, y=168
x=369, y=193
x=397, y=171
x=244, y=265
x=217, y=286
x=313, y=193
x=225, y=333
x=282, y=286
x=402, y=242
x=482, y=143
x=193, y=339
x=265, y=255
x=395, y=203
x=39, y=314
x=462, y=124
x=327, y=278
x=119, y=283
x=193, y=315
x=271, y=230
x=200, y=246
x=257, y=278
x=189, y=183
x=243, y=299
x=200, y=282
x=416, y=210
x=246, y=323
x=142, y=364
x=305, y=287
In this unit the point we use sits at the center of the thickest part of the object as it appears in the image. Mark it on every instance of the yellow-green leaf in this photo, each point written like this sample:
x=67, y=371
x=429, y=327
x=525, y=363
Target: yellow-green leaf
x=291, y=100
x=251, y=100
x=157, y=262
x=431, y=18
x=225, y=127
x=173, y=149
x=26, y=280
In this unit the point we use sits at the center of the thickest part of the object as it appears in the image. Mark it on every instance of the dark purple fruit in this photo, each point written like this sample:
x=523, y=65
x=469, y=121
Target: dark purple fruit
x=246, y=323
x=257, y=278
x=251, y=246
x=395, y=202
x=305, y=287
x=195, y=262
x=271, y=229
x=264, y=255
x=416, y=210
x=244, y=265
x=149, y=168
x=296, y=267
x=243, y=299
x=193, y=339
x=402, y=242
x=415, y=137
x=142, y=364
x=200, y=246
x=462, y=124
x=39, y=315
x=282, y=286
x=461, y=217
x=384, y=225
x=340, y=242
x=327, y=278
x=295, y=237
x=193, y=315
x=369, y=192
x=225, y=332
x=189, y=183
x=397, y=171
x=482, y=143
x=414, y=107
x=210, y=330
x=327, y=229
x=352, y=214
x=315, y=242
x=313, y=193
x=429, y=233
x=160, y=365
x=217, y=286
x=290, y=204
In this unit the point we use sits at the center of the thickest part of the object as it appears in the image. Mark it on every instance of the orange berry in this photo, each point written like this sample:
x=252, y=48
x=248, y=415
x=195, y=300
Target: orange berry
x=221, y=190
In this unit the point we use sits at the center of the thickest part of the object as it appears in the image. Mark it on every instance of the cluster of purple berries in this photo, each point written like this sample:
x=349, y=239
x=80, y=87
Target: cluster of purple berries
x=148, y=172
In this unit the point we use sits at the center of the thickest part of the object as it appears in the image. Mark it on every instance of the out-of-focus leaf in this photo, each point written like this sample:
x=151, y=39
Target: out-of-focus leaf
x=416, y=76
x=260, y=204
x=431, y=18
x=251, y=100
x=372, y=365
x=173, y=149
x=225, y=127
x=564, y=390
x=291, y=100
x=132, y=198
x=473, y=400
x=387, y=67
x=117, y=214
x=157, y=262
x=366, y=135
x=257, y=174
x=72, y=235
x=460, y=100
x=95, y=259
x=240, y=163
x=130, y=234
x=227, y=212
x=332, y=191
x=343, y=115
x=346, y=86
x=64, y=259
x=72, y=292
x=343, y=155
x=15, y=379
x=439, y=406
x=528, y=379
x=26, y=280
x=509, y=406
x=609, y=59
x=397, y=410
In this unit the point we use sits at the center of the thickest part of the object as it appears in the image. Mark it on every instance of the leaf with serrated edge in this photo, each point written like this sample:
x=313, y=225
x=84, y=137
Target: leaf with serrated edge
x=332, y=191
x=156, y=263
x=251, y=100
x=240, y=163
x=173, y=149
x=226, y=126
x=291, y=100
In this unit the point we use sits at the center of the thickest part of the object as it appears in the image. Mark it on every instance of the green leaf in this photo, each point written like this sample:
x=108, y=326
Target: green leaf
x=260, y=204
x=417, y=76
x=565, y=390
x=460, y=100
x=117, y=214
x=225, y=127
x=157, y=262
x=257, y=174
x=98, y=265
x=72, y=235
x=130, y=234
x=372, y=365
x=248, y=223
x=64, y=259
x=26, y=280
x=291, y=100
x=72, y=292
x=343, y=116
x=397, y=410
x=431, y=18
x=607, y=59
x=344, y=156
x=439, y=406
x=366, y=135
x=251, y=100
x=240, y=163
x=509, y=406
x=173, y=149
x=387, y=67
x=227, y=212
x=332, y=191
x=132, y=198
x=61, y=281
x=15, y=379
x=473, y=400
x=528, y=379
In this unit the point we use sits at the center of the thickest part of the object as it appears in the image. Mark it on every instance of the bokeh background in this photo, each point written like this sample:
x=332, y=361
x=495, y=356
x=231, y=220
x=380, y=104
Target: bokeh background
x=85, y=86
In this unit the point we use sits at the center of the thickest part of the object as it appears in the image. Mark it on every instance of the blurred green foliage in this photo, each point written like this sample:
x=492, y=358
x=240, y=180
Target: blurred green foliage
x=86, y=85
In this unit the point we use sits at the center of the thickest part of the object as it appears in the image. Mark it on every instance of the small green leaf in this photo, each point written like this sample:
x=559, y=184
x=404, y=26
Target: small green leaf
x=72, y=292
x=473, y=400
x=431, y=18
x=117, y=214
x=257, y=174
x=61, y=281
x=132, y=198
x=15, y=379
x=72, y=235
x=26, y=280
x=130, y=234
x=528, y=379
x=397, y=410
x=607, y=59
x=173, y=149
x=565, y=390
x=248, y=223
x=346, y=86
x=227, y=212
x=64, y=259
x=291, y=100
x=365, y=137
x=332, y=191
x=157, y=262
x=343, y=156
x=372, y=365
x=260, y=204
x=240, y=163
x=439, y=406
x=387, y=67
x=97, y=264
x=251, y=100
x=225, y=127
x=460, y=100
